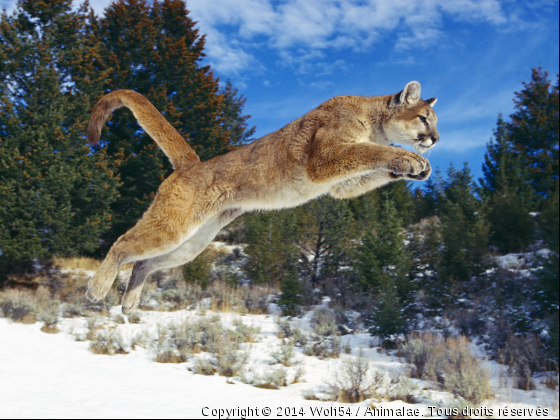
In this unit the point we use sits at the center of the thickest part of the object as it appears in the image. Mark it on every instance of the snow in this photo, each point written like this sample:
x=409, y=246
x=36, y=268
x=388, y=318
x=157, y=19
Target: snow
x=518, y=261
x=54, y=376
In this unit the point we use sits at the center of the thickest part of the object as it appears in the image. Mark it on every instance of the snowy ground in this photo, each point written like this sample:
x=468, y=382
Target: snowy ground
x=54, y=376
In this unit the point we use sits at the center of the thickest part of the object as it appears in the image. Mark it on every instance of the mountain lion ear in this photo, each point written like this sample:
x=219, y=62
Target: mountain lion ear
x=431, y=102
x=409, y=95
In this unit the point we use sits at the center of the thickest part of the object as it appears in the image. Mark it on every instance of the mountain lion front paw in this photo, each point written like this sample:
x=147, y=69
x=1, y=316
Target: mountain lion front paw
x=410, y=165
x=422, y=176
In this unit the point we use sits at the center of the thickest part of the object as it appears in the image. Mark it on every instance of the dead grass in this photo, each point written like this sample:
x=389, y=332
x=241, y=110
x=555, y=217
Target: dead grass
x=77, y=263
x=450, y=363
x=82, y=264
x=241, y=299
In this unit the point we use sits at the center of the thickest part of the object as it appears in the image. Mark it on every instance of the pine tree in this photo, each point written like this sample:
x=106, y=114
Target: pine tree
x=271, y=249
x=155, y=49
x=534, y=130
x=401, y=196
x=429, y=197
x=464, y=229
x=507, y=194
x=56, y=194
x=384, y=262
x=549, y=274
x=388, y=317
x=323, y=228
x=291, y=297
x=427, y=247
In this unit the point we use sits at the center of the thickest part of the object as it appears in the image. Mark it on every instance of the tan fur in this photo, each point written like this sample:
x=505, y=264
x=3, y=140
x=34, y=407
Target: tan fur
x=341, y=148
x=150, y=119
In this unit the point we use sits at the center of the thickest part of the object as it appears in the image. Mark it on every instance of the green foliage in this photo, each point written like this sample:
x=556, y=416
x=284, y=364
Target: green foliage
x=154, y=49
x=56, y=194
x=549, y=221
x=199, y=270
x=427, y=247
x=464, y=229
x=427, y=200
x=291, y=297
x=323, y=235
x=384, y=262
x=387, y=318
x=271, y=250
x=534, y=130
x=507, y=193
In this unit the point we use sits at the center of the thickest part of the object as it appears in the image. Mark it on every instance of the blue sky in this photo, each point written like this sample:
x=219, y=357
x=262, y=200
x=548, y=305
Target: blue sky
x=288, y=56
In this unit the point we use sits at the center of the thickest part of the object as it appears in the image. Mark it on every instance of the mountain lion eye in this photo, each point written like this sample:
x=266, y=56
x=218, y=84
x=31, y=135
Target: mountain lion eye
x=423, y=119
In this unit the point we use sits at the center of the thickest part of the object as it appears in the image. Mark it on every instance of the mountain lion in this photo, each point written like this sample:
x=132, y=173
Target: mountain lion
x=341, y=148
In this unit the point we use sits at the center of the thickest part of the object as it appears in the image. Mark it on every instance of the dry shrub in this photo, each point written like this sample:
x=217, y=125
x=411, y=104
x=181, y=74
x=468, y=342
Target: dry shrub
x=400, y=388
x=243, y=299
x=324, y=348
x=176, y=343
x=229, y=360
x=226, y=360
x=285, y=355
x=324, y=322
x=245, y=333
x=463, y=375
x=74, y=309
x=25, y=306
x=450, y=362
x=93, y=325
x=354, y=381
x=426, y=354
x=551, y=381
x=134, y=318
x=285, y=330
x=70, y=289
x=524, y=357
x=48, y=313
x=107, y=342
x=172, y=294
x=18, y=305
x=139, y=340
x=273, y=379
x=204, y=367
x=325, y=343
x=169, y=356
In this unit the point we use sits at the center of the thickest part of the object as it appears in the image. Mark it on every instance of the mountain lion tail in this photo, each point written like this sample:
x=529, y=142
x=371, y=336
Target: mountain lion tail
x=149, y=118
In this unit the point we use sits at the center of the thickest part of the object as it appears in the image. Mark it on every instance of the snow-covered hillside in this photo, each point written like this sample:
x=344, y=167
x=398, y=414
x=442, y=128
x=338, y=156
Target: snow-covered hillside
x=48, y=376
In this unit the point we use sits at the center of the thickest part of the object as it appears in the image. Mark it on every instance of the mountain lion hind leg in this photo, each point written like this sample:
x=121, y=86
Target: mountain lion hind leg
x=168, y=223
x=185, y=253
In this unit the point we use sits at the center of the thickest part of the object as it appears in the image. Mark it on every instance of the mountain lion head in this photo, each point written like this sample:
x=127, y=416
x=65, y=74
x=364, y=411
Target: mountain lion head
x=412, y=121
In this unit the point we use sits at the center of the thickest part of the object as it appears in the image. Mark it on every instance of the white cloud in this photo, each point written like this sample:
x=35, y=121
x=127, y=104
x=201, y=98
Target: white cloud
x=299, y=30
